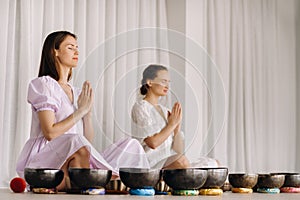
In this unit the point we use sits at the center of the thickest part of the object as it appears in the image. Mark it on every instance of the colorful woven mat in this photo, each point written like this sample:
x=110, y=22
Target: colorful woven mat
x=142, y=192
x=290, y=189
x=268, y=190
x=44, y=190
x=185, y=192
x=211, y=191
x=93, y=191
x=242, y=190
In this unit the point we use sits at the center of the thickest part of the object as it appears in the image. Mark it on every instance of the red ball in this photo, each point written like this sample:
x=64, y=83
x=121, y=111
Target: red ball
x=18, y=185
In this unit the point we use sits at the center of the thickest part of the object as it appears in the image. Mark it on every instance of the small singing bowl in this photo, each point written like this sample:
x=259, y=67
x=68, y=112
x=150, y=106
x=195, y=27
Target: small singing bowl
x=116, y=185
x=84, y=178
x=161, y=186
x=291, y=179
x=216, y=177
x=270, y=180
x=43, y=177
x=139, y=177
x=243, y=180
x=185, y=179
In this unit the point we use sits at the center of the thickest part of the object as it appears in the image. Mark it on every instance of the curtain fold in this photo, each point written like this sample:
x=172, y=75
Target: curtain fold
x=253, y=45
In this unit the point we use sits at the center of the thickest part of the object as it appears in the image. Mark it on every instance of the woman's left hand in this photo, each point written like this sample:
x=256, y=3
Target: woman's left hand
x=178, y=127
x=86, y=99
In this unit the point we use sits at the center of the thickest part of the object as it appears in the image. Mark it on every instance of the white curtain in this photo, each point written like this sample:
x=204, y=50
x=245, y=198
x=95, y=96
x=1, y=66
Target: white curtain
x=251, y=48
x=252, y=43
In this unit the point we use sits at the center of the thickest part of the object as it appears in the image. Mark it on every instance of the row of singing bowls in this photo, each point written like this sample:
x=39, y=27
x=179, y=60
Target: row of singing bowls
x=190, y=178
x=273, y=180
x=80, y=178
x=194, y=178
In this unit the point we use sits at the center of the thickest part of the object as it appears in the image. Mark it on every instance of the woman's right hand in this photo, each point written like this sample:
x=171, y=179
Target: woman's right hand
x=86, y=98
x=175, y=117
x=174, y=120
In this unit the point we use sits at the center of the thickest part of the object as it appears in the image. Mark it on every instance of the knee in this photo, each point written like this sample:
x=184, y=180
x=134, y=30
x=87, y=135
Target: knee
x=133, y=146
x=83, y=152
x=183, y=162
x=133, y=141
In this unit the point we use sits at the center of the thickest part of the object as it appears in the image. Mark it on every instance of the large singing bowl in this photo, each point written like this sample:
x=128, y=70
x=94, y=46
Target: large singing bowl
x=243, y=180
x=139, y=177
x=216, y=177
x=270, y=180
x=185, y=179
x=84, y=178
x=43, y=177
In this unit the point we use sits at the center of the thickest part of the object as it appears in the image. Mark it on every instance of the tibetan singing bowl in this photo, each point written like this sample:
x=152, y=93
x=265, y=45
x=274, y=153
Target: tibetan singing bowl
x=139, y=177
x=43, y=177
x=290, y=180
x=243, y=180
x=116, y=185
x=185, y=179
x=216, y=177
x=84, y=178
x=270, y=180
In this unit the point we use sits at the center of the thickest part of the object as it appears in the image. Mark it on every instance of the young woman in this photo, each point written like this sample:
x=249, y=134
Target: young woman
x=62, y=130
x=156, y=127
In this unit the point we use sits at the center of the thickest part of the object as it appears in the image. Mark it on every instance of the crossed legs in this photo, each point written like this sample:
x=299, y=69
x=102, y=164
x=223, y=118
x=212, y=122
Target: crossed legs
x=80, y=159
x=177, y=162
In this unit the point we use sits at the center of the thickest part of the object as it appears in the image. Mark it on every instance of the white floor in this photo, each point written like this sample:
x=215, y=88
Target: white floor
x=7, y=194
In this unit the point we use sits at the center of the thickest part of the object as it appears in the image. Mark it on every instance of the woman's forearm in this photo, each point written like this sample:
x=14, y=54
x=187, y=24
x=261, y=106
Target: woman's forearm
x=177, y=129
x=88, y=128
x=159, y=138
x=52, y=129
x=178, y=143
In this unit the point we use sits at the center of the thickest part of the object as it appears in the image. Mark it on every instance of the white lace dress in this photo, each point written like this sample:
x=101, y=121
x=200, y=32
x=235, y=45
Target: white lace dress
x=147, y=121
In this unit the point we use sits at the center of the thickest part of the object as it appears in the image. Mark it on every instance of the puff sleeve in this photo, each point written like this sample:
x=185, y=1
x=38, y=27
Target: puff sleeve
x=142, y=124
x=42, y=94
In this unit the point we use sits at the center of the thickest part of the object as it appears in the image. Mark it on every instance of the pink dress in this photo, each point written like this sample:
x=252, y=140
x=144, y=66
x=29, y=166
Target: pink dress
x=45, y=93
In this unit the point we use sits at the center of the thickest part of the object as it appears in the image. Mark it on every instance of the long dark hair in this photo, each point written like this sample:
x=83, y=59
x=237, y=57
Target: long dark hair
x=49, y=64
x=150, y=73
